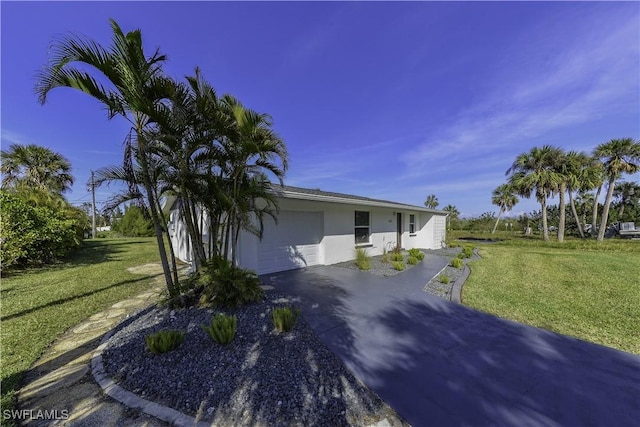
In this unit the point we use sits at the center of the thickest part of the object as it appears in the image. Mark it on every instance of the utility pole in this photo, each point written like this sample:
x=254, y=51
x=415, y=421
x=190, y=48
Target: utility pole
x=93, y=207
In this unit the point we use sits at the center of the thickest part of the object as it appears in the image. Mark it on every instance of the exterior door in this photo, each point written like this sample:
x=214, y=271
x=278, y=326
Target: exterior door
x=399, y=230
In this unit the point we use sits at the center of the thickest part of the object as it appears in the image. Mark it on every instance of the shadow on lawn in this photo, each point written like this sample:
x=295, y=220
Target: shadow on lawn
x=89, y=253
x=75, y=297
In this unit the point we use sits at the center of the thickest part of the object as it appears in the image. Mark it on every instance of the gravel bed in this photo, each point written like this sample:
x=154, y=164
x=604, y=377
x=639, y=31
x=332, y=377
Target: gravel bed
x=385, y=269
x=262, y=378
x=434, y=287
x=443, y=290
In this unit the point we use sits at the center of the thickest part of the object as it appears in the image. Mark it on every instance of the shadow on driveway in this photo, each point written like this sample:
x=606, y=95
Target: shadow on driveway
x=438, y=363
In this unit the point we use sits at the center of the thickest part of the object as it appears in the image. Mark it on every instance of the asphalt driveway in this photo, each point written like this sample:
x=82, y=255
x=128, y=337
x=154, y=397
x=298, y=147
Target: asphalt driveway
x=442, y=364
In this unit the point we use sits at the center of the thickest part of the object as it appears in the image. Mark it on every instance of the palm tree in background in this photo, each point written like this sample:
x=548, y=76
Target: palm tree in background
x=33, y=166
x=628, y=193
x=533, y=172
x=618, y=156
x=432, y=201
x=504, y=196
x=453, y=214
x=137, y=91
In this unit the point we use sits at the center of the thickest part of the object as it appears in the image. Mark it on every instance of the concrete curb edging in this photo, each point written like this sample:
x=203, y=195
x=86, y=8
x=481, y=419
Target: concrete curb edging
x=456, y=290
x=131, y=400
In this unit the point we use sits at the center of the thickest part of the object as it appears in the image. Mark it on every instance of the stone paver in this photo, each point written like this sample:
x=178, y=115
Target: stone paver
x=61, y=380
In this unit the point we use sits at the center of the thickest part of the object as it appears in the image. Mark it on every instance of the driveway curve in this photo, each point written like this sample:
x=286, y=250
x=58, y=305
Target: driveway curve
x=440, y=363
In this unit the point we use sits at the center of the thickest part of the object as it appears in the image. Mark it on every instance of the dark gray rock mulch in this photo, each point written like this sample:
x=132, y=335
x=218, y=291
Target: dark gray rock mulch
x=380, y=268
x=262, y=378
x=444, y=290
x=435, y=286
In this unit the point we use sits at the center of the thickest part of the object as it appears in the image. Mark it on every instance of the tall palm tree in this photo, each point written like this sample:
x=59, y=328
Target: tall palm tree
x=453, y=214
x=251, y=149
x=432, y=201
x=563, y=168
x=628, y=193
x=533, y=172
x=137, y=92
x=618, y=156
x=34, y=166
x=504, y=196
x=576, y=180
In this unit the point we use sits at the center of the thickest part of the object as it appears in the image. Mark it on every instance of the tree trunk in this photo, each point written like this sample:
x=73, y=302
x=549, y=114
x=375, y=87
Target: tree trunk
x=605, y=209
x=563, y=214
x=172, y=288
x=497, y=220
x=545, y=228
x=575, y=215
x=594, y=213
x=172, y=254
x=622, y=203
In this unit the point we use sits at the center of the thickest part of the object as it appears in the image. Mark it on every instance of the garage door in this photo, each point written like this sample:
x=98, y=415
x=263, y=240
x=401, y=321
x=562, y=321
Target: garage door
x=293, y=243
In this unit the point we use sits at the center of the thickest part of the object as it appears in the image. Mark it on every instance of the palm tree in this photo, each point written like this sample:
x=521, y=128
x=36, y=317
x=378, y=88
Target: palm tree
x=618, y=156
x=628, y=193
x=576, y=180
x=533, y=172
x=137, y=93
x=453, y=214
x=251, y=150
x=34, y=166
x=504, y=196
x=432, y=201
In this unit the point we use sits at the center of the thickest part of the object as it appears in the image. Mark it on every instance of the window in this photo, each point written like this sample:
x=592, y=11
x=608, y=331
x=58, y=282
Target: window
x=412, y=224
x=362, y=223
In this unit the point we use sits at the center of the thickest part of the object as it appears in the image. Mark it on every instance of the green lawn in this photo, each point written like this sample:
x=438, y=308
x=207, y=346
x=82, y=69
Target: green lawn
x=580, y=288
x=39, y=305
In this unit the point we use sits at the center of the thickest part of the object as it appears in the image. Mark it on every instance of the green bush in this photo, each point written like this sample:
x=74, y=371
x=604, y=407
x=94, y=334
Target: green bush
x=397, y=256
x=398, y=265
x=163, y=341
x=414, y=252
x=456, y=263
x=33, y=235
x=420, y=256
x=460, y=255
x=285, y=318
x=412, y=260
x=362, y=259
x=444, y=279
x=467, y=252
x=227, y=286
x=222, y=329
x=134, y=223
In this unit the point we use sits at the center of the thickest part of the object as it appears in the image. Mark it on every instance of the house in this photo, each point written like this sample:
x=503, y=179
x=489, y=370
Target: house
x=320, y=228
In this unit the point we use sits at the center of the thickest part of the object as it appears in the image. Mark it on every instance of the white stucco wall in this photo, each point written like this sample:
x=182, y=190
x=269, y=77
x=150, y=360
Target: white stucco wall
x=338, y=242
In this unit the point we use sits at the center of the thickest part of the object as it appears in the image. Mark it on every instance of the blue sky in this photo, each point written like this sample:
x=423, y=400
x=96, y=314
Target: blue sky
x=380, y=99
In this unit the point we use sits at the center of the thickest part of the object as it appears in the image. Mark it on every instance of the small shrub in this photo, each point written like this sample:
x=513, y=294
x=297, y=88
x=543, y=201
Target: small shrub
x=163, y=341
x=456, y=263
x=460, y=255
x=398, y=265
x=397, y=256
x=396, y=249
x=222, y=329
x=467, y=252
x=285, y=318
x=362, y=259
x=227, y=286
x=412, y=260
x=420, y=256
x=444, y=279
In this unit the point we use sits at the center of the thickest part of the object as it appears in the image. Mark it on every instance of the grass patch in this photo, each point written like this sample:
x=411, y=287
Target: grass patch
x=38, y=305
x=581, y=288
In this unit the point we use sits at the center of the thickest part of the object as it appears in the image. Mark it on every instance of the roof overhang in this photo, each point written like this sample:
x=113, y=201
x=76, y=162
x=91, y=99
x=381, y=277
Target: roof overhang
x=289, y=194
